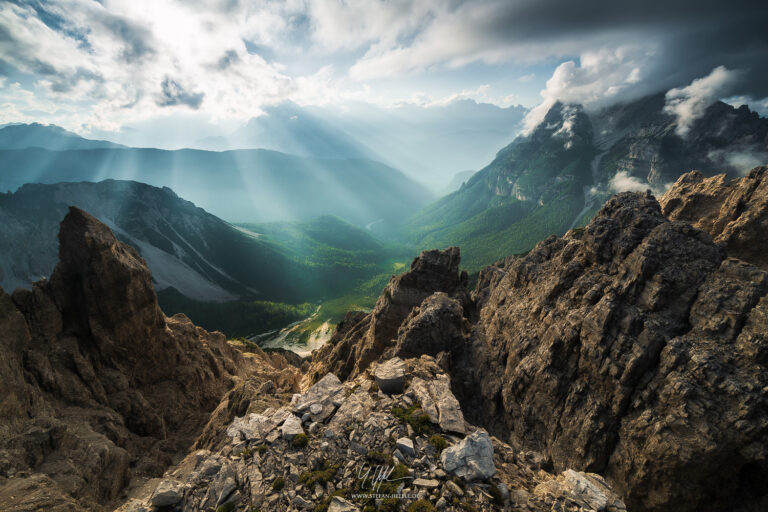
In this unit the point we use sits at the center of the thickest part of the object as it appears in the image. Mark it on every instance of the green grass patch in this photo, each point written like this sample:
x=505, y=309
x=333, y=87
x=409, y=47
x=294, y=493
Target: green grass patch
x=300, y=441
x=323, y=476
x=438, y=442
x=415, y=417
x=421, y=506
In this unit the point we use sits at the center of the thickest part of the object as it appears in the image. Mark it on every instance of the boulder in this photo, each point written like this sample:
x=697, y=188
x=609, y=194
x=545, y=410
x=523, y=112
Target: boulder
x=589, y=490
x=326, y=390
x=339, y=504
x=390, y=376
x=405, y=445
x=471, y=459
x=167, y=493
x=451, y=418
x=426, y=483
x=439, y=403
x=291, y=427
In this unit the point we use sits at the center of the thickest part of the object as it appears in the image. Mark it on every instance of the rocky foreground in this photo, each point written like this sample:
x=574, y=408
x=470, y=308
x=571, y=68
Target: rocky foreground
x=394, y=431
x=620, y=367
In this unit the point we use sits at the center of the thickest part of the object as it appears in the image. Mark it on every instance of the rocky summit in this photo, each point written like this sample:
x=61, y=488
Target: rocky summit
x=99, y=389
x=619, y=367
x=634, y=348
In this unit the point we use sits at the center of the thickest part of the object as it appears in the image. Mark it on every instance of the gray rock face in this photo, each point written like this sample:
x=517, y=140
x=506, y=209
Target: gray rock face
x=323, y=391
x=339, y=504
x=435, y=326
x=634, y=344
x=405, y=445
x=634, y=347
x=589, y=490
x=422, y=392
x=361, y=339
x=439, y=403
x=733, y=212
x=257, y=426
x=471, y=459
x=167, y=492
x=390, y=376
x=291, y=427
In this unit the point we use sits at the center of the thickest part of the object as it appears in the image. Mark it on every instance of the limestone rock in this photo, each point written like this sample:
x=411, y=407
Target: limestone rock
x=339, y=504
x=439, y=403
x=361, y=339
x=733, y=212
x=99, y=385
x=405, y=445
x=590, y=491
x=168, y=492
x=436, y=325
x=471, y=459
x=291, y=428
x=390, y=376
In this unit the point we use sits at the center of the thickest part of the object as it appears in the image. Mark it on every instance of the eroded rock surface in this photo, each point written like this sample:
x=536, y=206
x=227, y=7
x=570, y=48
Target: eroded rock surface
x=733, y=212
x=337, y=467
x=98, y=387
x=361, y=339
x=634, y=348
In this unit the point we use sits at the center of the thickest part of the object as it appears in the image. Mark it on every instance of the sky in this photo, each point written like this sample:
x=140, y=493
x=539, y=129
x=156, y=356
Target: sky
x=114, y=65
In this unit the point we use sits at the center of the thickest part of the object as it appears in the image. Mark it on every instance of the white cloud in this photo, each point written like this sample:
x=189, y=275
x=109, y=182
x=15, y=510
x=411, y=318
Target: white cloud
x=623, y=182
x=688, y=103
x=600, y=78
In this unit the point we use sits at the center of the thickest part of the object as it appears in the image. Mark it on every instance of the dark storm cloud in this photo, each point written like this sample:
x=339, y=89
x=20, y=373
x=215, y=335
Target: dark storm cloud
x=174, y=94
x=694, y=36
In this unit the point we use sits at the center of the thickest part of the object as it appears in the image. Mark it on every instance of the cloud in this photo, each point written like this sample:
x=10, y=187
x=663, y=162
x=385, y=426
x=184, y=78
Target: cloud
x=623, y=182
x=94, y=58
x=740, y=161
x=688, y=103
x=600, y=78
x=174, y=94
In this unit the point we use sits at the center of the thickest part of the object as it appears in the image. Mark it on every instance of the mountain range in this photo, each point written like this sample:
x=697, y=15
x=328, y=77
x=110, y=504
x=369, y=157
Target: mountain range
x=619, y=367
x=559, y=175
x=54, y=138
x=196, y=259
x=239, y=186
x=430, y=144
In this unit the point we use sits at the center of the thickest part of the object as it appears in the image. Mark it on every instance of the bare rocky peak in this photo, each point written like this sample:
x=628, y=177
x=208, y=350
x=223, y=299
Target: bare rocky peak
x=99, y=388
x=635, y=348
x=361, y=339
x=622, y=363
x=325, y=449
x=734, y=212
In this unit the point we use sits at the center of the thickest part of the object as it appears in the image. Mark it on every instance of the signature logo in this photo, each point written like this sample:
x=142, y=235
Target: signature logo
x=374, y=476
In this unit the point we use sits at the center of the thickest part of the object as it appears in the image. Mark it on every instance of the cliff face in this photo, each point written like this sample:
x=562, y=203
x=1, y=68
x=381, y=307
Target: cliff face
x=360, y=339
x=733, y=212
x=636, y=348
x=97, y=385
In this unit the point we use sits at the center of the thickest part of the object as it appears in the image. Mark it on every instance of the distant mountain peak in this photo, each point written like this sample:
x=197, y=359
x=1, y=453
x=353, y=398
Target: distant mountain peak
x=47, y=136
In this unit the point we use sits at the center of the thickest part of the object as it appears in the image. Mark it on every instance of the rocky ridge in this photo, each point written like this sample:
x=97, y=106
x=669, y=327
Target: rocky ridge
x=624, y=363
x=634, y=348
x=99, y=389
x=734, y=212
